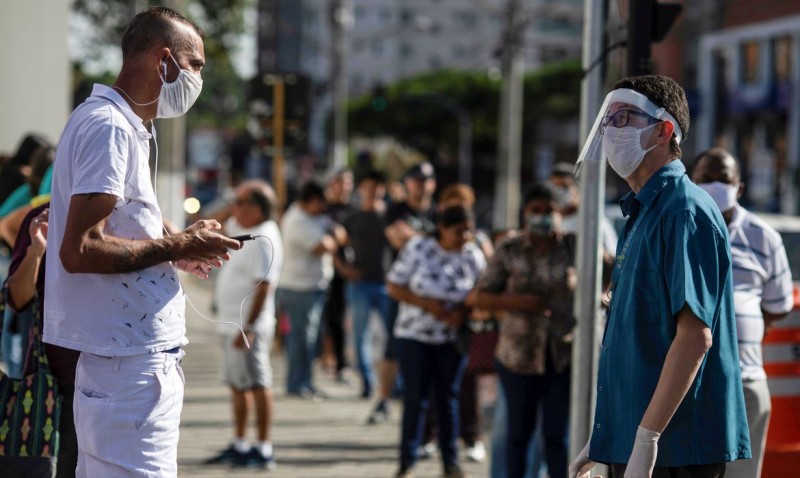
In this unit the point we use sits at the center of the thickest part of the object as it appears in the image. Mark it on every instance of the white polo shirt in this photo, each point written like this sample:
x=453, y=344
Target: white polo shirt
x=304, y=271
x=105, y=149
x=762, y=280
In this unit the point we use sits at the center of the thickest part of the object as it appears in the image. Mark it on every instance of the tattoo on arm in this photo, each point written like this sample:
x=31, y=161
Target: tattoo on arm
x=139, y=255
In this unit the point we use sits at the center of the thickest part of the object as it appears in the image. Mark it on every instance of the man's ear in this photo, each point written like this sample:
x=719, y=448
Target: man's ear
x=740, y=193
x=665, y=131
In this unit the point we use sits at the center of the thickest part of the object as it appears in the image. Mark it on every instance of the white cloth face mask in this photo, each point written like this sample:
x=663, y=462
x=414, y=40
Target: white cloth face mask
x=623, y=148
x=723, y=194
x=177, y=97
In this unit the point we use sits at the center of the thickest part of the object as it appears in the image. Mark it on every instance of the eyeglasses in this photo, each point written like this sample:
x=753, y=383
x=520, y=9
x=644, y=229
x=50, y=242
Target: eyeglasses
x=621, y=118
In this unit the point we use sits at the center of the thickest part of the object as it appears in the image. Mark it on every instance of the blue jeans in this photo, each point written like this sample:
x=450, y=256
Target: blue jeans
x=16, y=340
x=497, y=467
x=305, y=312
x=523, y=393
x=426, y=367
x=363, y=298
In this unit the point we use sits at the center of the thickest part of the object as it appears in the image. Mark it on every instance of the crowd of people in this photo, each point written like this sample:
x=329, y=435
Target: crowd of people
x=692, y=267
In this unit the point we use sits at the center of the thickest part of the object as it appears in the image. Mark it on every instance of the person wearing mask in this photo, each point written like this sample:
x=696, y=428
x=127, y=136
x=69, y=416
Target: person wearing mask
x=338, y=191
x=404, y=220
x=431, y=279
x=762, y=291
x=25, y=284
x=532, y=279
x=308, y=267
x=668, y=360
x=112, y=283
x=246, y=285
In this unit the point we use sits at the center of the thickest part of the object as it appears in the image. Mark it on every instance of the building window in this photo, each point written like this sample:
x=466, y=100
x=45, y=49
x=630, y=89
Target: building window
x=434, y=63
x=751, y=53
x=782, y=58
x=377, y=47
x=406, y=50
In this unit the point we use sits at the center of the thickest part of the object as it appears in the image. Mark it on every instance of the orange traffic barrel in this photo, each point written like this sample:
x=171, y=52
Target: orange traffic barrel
x=782, y=364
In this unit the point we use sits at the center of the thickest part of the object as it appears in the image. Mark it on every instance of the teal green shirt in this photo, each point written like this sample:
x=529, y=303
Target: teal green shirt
x=19, y=197
x=674, y=251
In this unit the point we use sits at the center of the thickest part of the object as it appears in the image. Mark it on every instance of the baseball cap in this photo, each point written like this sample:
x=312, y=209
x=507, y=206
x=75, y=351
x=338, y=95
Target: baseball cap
x=422, y=170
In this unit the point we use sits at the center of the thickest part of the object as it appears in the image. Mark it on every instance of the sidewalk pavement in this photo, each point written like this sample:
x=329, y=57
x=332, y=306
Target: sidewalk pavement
x=312, y=439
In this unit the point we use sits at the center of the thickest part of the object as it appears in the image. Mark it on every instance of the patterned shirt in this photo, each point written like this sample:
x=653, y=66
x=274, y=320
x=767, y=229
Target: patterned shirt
x=520, y=267
x=761, y=281
x=430, y=271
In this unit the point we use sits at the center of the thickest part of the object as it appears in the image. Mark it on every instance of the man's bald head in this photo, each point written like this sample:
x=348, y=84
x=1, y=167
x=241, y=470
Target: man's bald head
x=716, y=164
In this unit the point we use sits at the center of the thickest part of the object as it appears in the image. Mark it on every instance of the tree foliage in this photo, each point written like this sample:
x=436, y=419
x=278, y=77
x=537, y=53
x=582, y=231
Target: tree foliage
x=550, y=93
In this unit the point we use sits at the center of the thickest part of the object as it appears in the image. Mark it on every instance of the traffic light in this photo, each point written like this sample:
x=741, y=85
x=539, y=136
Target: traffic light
x=379, y=102
x=648, y=22
x=296, y=106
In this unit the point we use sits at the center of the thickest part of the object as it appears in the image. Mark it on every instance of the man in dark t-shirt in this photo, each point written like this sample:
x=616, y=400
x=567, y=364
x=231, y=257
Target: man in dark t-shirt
x=403, y=221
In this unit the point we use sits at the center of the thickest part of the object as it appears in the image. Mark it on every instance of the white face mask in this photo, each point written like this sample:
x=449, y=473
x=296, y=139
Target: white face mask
x=177, y=97
x=623, y=148
x=724, y=195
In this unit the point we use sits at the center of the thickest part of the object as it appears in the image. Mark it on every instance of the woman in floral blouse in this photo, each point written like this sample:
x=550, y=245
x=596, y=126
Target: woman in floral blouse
x=431, y=278
x=531, y=277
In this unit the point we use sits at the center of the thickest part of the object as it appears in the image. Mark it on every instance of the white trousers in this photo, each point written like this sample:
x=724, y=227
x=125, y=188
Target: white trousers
x=127, y=414
x=759, y=407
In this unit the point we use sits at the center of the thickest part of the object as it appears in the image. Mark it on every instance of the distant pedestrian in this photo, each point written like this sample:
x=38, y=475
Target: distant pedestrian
x=365, y=270
x=338, y=192
x=245, y=293
x=669, y=355
x=762, y=292
x=404, y=220
x=531, y=278
x=431, y=278
x=308, y=246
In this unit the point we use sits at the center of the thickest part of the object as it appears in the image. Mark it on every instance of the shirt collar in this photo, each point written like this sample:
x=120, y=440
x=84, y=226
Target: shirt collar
x=738, y=218
x=110, y=94
x=653, y=186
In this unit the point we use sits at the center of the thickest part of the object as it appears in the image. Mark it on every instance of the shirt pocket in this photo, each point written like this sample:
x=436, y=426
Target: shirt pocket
x=643, y=297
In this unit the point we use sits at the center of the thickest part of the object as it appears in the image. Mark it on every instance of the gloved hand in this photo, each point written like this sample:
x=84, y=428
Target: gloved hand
x=643, y=456
x=581, y=466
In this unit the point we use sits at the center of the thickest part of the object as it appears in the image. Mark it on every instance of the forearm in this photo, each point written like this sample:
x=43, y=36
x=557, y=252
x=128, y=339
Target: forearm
x=112, y=255
x=404, y=294
x=22, y=283
x=524, y=302
x=682, y=362
x=259, y=299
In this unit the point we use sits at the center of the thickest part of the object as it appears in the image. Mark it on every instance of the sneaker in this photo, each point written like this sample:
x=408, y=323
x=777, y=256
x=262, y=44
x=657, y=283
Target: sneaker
x=476, y=452
x=228, y=455
x=380, y=414
x=254, y=459
x=404, y=473
x=426, y=451
x=453, y=471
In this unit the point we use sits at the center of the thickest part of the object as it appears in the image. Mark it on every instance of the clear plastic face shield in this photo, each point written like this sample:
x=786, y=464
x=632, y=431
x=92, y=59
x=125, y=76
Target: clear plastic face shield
x=593, y=148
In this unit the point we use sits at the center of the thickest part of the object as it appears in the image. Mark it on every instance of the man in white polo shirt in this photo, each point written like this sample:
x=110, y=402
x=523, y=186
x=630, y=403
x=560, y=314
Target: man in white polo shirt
x=112, y=287
x=762, y=291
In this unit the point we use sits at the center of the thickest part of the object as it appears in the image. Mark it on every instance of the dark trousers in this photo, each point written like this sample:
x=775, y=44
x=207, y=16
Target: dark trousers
x=335, y=307
x=523, y=394
x=426, y=367
x=469, y=413
x=716, y=470
x=68, y=440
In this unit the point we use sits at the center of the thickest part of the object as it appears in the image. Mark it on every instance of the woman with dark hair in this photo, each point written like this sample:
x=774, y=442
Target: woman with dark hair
x=431, y=278
x=12, y=173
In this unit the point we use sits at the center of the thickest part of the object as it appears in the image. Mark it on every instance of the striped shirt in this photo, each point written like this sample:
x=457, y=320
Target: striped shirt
x=761, y=281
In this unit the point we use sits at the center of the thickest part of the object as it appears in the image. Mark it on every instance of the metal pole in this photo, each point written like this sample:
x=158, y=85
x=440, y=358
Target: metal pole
x=278, y=97
x=340, y=18
x=587, y=300
x=464, y=149
x=509, y=161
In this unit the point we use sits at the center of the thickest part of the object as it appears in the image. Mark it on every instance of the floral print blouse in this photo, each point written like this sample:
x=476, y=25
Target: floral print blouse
x=519, y=267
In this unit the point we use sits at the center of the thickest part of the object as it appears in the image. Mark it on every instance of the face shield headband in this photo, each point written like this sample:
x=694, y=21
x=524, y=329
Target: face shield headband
x=592, y=148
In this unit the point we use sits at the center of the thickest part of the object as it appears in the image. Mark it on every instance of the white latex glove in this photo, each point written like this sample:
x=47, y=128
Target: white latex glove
x=581, y=466
x=643, y=456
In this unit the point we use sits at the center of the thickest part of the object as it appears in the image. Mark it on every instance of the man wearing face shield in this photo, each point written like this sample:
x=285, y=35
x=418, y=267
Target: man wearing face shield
x=112, y=287
x=762, y=293
x=669, y=397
